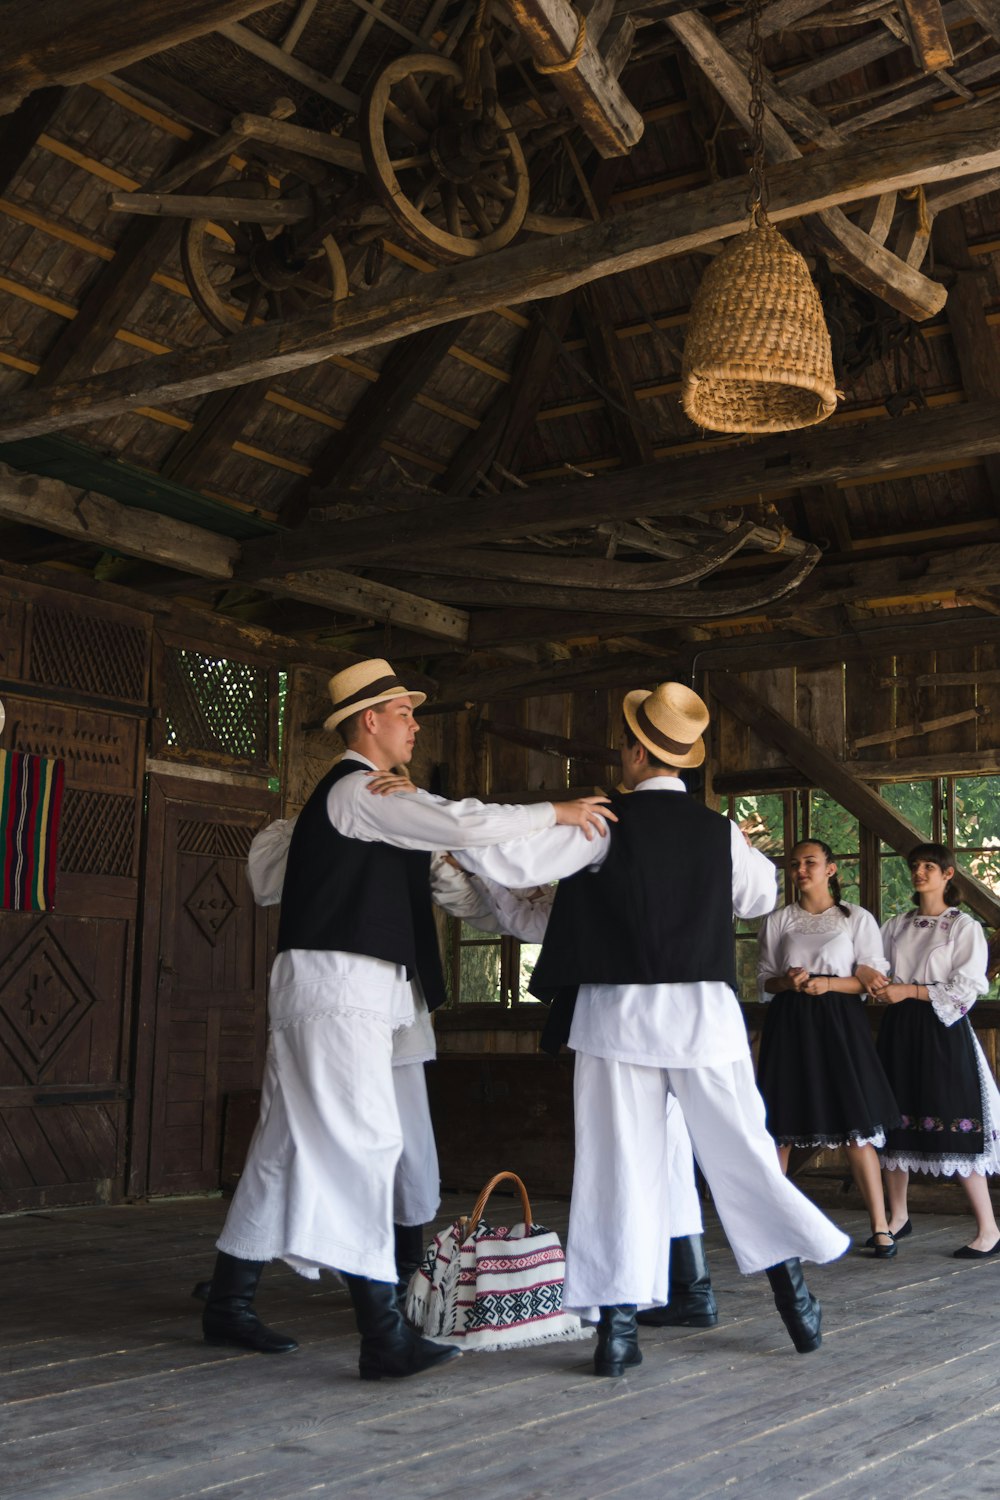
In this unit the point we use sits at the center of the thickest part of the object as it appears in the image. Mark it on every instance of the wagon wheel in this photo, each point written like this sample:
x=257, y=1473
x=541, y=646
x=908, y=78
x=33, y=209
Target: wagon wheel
x=240, y=272
x=454, y=180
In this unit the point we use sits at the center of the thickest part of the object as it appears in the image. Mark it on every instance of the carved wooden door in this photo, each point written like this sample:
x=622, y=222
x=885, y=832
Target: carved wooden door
x=75, y=687
x=202, y=1013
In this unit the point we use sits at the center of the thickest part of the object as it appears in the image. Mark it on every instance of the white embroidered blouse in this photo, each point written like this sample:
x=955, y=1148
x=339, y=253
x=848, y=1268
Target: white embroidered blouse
x=826, y=942
x=947, y=953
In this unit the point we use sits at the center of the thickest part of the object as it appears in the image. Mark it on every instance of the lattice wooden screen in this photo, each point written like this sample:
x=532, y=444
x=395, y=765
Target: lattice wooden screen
x=88, y=653
x=97, y=836
x=215, y=706
x=220, y=840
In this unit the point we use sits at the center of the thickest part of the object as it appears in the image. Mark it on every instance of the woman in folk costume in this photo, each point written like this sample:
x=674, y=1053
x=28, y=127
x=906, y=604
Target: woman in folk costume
x=357, y=953
x=948, y=1100
x=525, y=915
x=639, y=966
x=818, y=1070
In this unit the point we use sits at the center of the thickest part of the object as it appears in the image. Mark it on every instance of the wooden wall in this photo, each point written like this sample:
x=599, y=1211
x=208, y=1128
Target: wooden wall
x=131, y=1012
x=883, y=717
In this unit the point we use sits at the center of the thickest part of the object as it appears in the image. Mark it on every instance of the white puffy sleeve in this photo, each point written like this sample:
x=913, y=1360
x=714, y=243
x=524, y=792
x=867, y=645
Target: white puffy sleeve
x=267, y=859
x=868, y=946
x=460, y=895
x=755, y=880
x=523, y=914
x=953, y=997
x=769, y=958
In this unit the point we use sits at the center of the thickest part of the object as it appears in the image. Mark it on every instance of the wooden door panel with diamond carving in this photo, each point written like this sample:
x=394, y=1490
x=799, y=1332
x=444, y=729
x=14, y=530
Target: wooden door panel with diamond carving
x=202, y=1022
x=63, y=988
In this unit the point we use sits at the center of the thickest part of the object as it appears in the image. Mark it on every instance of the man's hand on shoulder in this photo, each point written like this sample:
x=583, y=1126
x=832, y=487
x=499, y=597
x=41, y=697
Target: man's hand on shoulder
x=589, y=813
x=386, y=783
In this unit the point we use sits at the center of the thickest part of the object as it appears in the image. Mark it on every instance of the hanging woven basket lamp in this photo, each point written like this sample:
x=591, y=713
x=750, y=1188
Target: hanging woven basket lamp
x=757, y=356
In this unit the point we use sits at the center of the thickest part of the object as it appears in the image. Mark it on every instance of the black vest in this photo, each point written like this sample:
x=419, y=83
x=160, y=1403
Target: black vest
x=358, y=897
x=659, y=910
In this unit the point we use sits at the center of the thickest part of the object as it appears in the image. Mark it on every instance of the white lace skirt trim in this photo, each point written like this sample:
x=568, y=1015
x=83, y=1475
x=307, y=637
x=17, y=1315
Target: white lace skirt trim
x=830, y=1142
x=942, y=1166
x=987, y=1164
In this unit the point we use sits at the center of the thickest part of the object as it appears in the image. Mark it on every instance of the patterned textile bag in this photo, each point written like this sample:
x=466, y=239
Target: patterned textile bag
x=493, y=1288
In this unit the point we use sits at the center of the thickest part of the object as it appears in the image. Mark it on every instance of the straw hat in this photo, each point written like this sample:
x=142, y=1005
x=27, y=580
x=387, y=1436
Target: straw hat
x=362, y=686
x=669, y=721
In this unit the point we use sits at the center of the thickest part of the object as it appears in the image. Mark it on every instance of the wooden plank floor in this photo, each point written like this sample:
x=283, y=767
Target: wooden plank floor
x=107, y=1390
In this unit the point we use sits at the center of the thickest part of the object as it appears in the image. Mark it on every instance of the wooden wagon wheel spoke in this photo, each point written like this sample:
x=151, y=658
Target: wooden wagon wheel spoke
x=422, y=199
x=494, y=188
x=233, y=270
x=475, y=210
x=449, y=198
x=465, y=191
x=410, y=163
x=419, y=104
x=409, y=127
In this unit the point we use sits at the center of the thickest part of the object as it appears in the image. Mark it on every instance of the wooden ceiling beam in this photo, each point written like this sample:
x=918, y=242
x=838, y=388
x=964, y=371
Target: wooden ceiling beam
x=69, y=41
x=20, y=131
x=403, y=376
x=96, y=520
x=633, y=439
x=976, y=344
x=833, y=777
x=732, y=476
x=350, y=595
x=926, y=151
x=220, y=423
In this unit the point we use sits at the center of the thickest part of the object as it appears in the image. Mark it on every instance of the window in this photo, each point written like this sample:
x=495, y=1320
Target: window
x=486, y=969
x=962, y=812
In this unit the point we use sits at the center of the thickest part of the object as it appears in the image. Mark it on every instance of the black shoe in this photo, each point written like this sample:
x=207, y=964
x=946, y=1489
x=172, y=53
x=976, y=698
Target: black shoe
x=202, y=1290
x=692, y=1301
x=388, y=1346
x=883, y=1251
x=617, y=1340
x=229, y=1317
x=799, y=1309
x=409, y=1240
x=968, y=1253
x=902, y=1231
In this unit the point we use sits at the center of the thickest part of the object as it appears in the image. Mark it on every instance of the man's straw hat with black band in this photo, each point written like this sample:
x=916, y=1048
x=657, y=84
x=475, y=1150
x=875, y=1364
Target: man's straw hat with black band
x=363, y=686
x=669, y=721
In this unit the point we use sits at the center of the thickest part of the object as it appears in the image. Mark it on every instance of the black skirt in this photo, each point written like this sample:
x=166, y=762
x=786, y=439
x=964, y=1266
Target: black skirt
x=819, y=1072
x=935, y=1077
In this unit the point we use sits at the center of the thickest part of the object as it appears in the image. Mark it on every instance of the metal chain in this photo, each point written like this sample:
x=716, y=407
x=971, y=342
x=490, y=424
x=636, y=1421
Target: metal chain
x=757, y=194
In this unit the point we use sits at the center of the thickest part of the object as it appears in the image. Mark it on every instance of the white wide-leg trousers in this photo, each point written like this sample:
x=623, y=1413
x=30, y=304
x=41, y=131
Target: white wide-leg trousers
x=317, y=1188
x=621, y=1217
x=416, y=1195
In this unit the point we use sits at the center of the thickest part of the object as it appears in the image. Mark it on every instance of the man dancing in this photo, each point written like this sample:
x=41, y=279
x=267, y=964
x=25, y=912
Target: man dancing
x=638, y=964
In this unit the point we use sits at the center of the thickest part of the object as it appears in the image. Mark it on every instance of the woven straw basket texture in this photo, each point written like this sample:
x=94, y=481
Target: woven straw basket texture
x=757, y=356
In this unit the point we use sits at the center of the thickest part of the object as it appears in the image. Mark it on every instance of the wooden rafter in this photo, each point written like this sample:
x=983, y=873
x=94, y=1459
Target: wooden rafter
x=967, y=141
x=69, y=41
x=731, y=476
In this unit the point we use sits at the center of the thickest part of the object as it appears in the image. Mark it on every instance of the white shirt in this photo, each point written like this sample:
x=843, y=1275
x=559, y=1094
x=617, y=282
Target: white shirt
x=654, y=1025
x=305, y=982
x=948, y=954
x=823, y=942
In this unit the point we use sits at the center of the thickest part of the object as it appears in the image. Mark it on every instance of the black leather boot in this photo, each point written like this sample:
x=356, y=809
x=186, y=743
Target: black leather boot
x=409, y=1257
x=229, y=1317
x=617, y=1340
x=388, y=1346
x=692, y=1302
x=800, y=1311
